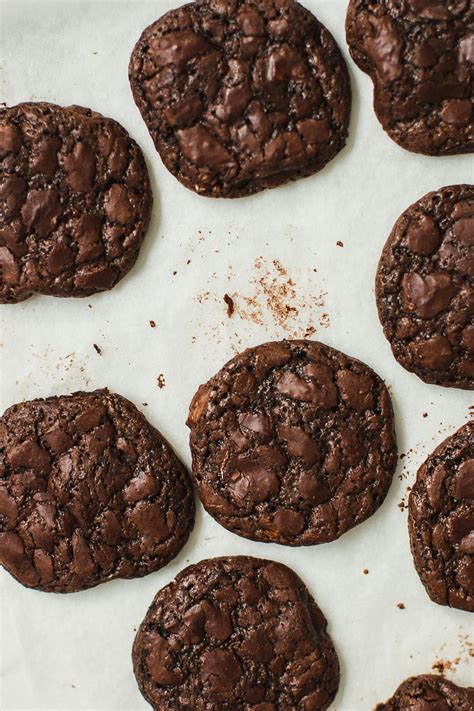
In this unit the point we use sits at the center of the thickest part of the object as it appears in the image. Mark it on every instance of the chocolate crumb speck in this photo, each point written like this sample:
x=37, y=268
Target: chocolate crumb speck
x=339, y=243
x=366, y=571
x=160, y=381
x=425, y=414
x=230, y=304
x=174, y=273
x=152, y=324
x=401, y=606
x=97, y=349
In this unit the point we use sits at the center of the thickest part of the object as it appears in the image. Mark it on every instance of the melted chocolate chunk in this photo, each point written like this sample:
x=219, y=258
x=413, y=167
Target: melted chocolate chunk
x=235, y=634
x=241, y=95
x=425, y=287
x=419, y=55
x=429, y=692
x=89, y=491
x=292, y=442
x=441, y=521
x=76, y=201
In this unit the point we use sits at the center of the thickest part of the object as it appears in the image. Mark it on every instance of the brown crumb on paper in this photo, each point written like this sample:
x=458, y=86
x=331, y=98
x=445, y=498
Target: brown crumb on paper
x=160, y=381
x=275, y=292
x=152, y=324
x=366, y=571
x=230, y=305
x=339, y=243
x=401, y=606
x=97, y=349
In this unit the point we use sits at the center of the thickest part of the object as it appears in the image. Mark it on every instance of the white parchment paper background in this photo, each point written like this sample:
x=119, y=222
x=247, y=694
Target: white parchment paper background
x=73, y=651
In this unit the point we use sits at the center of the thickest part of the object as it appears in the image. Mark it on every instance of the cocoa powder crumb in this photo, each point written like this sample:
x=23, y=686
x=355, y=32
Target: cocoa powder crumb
x=160, y=381
x=339, y=243
x=401, y=606
x=366, y=571
x=152, y=324
x=230, y=304
x=97, y=349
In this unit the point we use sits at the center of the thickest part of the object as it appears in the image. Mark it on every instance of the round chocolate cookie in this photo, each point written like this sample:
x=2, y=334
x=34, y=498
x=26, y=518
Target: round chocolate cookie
x=76, y=201
x=425, y=288
x=419, y=55
x=235, y=634
x=292, y=442
x=429, y=692
x=441, y=521
x=89, y=491
x=241, y=95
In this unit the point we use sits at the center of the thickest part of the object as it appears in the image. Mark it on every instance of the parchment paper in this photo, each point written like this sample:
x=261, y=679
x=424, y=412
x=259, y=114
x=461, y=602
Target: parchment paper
x=73, y=651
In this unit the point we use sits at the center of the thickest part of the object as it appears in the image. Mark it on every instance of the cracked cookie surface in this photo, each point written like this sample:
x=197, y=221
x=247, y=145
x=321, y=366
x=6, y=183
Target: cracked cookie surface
x=441, y=521
x=235, y=634
x=241, y=95
x=419, y=55
x=76, y=201
x=89, y=491
x=292, y=442
x=425, y=287
x=429, y=692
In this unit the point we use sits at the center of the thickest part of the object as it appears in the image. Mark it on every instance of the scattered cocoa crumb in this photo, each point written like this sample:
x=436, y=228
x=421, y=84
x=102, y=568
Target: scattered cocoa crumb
x=152, y=324
x=425, y=414
x=174, y=273
x=89, y=305
x=188, y=262
x=400, y=606
x=160, y=381
x=97, y=349
x=443, y=665
x=145, y=404
x=230, y=304
x=366, y=571
x=402, y=455
x=339, y=243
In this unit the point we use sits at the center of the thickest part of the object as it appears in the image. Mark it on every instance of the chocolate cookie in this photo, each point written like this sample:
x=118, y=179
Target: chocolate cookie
x=425, y=288
x=76, y=201
x=241, y=95
x=419, y=55
x=235, y=634
x=429, y=692
x=89, y=491
x=441, y=521
x=292, y=442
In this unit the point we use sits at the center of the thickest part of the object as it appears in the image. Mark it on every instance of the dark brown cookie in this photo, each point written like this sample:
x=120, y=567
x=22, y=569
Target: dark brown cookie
x=419, y=55
x=235, y=634
x=75, y=198
x=292, y=442
x=441, y=521
x=429, y=692
x=425, y=287
x=89, y=491
x=241, y=95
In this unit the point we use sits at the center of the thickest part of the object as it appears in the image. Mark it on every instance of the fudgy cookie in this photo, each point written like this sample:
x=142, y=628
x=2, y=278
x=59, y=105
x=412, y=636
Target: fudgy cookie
x=241, y=95
x=429, y=692
x=425, y=287
x=292, y=442
x=89, y=491
x=76, y=201
x=419, y=55
x=235, y=634
x=441, y=521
